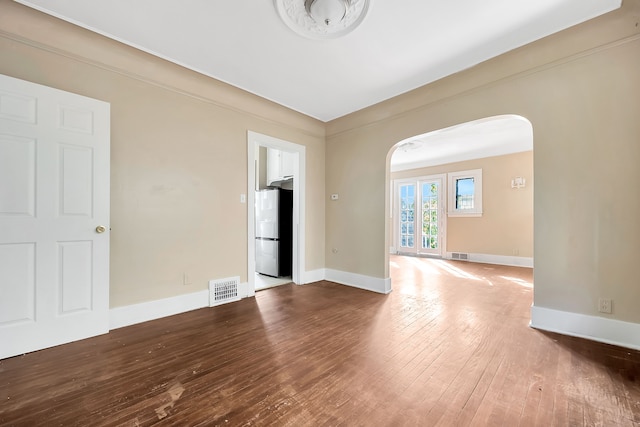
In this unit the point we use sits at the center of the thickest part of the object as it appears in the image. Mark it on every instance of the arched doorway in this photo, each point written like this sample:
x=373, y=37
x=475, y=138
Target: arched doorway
x=464, y=192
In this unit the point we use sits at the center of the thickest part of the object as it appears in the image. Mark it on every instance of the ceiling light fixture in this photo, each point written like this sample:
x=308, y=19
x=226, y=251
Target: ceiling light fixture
x=327, y=12
x=322, y=19
x=409, y=146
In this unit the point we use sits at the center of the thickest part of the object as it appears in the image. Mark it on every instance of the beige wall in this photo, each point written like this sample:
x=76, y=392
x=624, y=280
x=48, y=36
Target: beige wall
x=178, y=155
x=579, y=89
x=506, y=225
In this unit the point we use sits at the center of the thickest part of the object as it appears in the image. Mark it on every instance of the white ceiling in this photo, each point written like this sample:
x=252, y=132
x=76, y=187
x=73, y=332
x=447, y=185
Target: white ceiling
x=492, y=136
x=400, y=45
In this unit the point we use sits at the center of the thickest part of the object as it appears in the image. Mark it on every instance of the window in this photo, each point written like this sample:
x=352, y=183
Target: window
x=465, y=193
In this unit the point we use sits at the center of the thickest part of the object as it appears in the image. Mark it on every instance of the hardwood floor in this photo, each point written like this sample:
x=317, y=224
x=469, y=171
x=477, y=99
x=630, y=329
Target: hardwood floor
x=449, y=346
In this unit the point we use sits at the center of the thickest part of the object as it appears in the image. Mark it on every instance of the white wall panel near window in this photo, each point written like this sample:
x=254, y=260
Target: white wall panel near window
x=54, y=217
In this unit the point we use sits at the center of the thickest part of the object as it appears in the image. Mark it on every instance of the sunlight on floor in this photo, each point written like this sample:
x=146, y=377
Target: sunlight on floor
x=457, y=272
x=424, y=265
x=517, y=281
x=421, y=268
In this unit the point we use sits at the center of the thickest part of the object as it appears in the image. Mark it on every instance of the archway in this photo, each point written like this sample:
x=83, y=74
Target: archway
x=464, y=192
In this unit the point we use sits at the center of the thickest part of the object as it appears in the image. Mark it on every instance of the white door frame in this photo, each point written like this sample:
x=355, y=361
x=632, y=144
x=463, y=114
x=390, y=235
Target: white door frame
x=254, y=142
x=442, y=213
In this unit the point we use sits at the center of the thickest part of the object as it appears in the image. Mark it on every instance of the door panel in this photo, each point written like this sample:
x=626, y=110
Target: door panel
x=407, y=194
x=54, y=192
x=431, y=216
x=17, y=107
x=75, y=280
x=75, y=119
x=76, y=176
x=17, y=166
x=17, y=264
x=420, y=215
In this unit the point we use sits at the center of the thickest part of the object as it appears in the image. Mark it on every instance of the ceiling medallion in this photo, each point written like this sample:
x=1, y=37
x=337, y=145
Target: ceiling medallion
x=322, y=19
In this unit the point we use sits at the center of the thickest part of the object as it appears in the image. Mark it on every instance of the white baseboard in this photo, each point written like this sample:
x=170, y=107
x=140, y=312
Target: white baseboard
x=314, y=275
x=137, y=313
x=374, y=284
x=245, y=291
x=514, y=261
x=595, y=328
x=120, y=317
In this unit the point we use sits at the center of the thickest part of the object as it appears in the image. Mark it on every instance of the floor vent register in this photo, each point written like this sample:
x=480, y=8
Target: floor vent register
x=222, y=291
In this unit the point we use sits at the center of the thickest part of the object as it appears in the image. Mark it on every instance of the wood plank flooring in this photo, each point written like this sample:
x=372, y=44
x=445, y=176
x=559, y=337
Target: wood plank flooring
x=450, y=346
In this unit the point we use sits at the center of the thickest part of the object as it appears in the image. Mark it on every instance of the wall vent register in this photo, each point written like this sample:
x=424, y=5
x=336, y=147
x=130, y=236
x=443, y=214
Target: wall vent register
x=222, y=291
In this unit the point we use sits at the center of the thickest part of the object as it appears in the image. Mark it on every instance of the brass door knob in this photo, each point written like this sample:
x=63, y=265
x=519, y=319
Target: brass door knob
x=101, y=229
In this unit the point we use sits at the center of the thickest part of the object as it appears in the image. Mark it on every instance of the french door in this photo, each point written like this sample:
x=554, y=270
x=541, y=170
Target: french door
x=419, y=215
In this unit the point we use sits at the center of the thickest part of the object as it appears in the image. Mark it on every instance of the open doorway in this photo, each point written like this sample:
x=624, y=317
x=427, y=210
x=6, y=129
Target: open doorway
x=464, y=193
x=276, y=182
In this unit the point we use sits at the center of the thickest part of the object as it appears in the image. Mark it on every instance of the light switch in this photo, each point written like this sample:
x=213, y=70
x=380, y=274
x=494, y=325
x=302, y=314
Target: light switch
x=334, y=196
x=243, y=198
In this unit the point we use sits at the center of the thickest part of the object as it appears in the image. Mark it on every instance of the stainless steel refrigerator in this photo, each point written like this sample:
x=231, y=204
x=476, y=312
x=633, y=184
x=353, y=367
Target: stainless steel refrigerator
x=274, y=232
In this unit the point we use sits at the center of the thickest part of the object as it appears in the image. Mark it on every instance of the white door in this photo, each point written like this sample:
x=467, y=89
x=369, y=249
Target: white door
x=54, y=217
x=420, y=215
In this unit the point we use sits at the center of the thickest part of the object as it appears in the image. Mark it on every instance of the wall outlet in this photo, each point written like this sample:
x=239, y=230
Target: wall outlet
x=604, y=305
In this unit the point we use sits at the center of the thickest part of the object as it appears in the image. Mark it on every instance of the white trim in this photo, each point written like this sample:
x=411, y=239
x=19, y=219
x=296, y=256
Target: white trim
x=245, y=290
x=596, y=328
x=314, y=275
x=127, y=71
x=374, y=284
x=467, y=215
x=120, y=317
x=514, y=261
x=254, y=141
x=151, y=310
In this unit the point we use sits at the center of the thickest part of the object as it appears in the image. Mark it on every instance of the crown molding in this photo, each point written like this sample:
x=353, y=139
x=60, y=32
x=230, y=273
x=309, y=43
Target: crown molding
x=28, y=27
x=609, y=31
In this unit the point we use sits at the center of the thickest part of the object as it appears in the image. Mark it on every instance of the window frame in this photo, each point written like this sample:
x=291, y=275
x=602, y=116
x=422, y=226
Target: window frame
x=452, y=178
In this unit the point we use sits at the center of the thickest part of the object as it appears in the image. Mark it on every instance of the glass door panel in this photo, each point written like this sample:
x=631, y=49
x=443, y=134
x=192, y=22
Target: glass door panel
x=407, y=195
x=430, y=202
x=420, y=215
